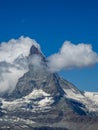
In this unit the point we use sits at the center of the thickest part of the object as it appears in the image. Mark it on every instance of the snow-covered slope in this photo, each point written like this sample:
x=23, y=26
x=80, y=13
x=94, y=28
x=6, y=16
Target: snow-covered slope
x=92, y=101
x=89, y=99
x=37, y=100
x=92, y=96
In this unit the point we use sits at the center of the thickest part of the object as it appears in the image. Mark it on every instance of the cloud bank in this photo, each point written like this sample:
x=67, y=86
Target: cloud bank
x=14, y=61
x=72, y=56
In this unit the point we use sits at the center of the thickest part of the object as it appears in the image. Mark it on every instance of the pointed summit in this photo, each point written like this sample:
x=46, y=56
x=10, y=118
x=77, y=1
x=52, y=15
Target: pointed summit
x=34, y=50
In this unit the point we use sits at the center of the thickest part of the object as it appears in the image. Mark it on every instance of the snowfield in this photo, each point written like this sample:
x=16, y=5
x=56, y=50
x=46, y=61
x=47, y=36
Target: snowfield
x=42, y=101
x=89, y=99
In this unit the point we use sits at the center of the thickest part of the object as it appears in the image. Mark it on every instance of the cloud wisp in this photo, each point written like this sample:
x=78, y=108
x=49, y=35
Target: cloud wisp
x=72, y=56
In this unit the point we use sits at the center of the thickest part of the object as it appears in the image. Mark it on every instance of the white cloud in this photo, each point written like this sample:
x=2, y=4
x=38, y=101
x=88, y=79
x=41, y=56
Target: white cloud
x=9, y=79
x=14, y=48
x=13, y=61
x=36, y=60
x=72, y=56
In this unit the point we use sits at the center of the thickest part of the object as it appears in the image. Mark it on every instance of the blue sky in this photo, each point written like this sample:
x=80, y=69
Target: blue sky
x=50, y=23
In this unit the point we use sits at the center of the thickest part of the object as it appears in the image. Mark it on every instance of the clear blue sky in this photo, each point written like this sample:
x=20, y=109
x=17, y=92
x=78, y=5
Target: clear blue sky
x=51, y=22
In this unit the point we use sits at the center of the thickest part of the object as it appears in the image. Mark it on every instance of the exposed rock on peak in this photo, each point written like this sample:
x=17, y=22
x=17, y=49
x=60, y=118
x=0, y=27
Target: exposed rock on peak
x=34, y=50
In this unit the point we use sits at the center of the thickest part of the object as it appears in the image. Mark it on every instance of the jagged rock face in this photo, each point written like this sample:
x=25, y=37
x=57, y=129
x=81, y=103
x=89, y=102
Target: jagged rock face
x=37, y=79
x=43, y=100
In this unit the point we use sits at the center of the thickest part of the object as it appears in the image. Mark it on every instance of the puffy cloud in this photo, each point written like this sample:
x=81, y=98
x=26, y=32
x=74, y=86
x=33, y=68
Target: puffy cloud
x=13, y=61
x=14, y=48
x=72, y=56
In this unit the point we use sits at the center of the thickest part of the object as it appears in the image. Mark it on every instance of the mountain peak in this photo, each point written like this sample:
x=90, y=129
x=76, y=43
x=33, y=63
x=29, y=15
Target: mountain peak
x=34, y=50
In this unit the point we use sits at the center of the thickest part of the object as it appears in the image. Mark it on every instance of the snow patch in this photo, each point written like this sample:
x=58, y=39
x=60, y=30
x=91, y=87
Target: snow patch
x=70, y=93
x=92, y=96
x=44, y=101
x=47, y=101
x=89, y=99
x=36, y=93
